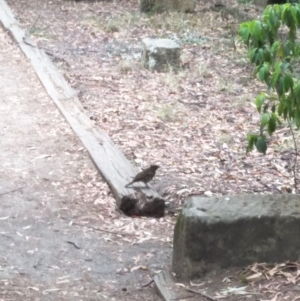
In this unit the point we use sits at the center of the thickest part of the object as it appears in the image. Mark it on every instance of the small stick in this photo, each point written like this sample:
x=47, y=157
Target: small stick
x=266, y=185
x=11, y=190
x=148, y=283
x=201, y=294
x=73, y=243
x=37, y=263
x=97, y=229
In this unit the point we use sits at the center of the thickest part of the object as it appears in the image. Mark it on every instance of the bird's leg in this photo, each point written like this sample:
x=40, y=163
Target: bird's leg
x=129, y=184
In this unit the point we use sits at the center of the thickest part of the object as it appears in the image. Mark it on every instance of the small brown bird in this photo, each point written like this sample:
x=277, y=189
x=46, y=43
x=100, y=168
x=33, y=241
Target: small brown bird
x=145, y=176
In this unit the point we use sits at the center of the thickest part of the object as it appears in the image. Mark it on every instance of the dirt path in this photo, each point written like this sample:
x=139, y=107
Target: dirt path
x=44, y=253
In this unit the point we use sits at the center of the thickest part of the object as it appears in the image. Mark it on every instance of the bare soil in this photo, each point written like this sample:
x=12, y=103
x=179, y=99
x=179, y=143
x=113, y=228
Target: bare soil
x=48, y=250
x=61, y=235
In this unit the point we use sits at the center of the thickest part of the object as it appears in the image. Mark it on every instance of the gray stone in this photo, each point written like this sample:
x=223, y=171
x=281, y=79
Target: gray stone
x=161, y=54
x=186, y=6
x=228, y=231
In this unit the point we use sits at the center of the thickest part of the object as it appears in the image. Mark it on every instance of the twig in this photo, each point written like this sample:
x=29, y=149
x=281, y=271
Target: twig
x=189, y=92
x=66, y=49
x=73, y=244
x=37, y=263
x=148, y=283
x=27, y=43
x=97, y=229
x=46, y=51
x=12, y=190
x=201, y=294
x=296, y=156
x=271, y=188
x=7, y=236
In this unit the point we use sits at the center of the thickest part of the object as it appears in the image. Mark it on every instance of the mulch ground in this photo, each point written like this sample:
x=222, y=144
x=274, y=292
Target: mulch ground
x=192, y=123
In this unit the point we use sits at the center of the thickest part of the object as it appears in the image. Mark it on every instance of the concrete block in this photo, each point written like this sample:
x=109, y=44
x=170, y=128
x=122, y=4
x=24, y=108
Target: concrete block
x=228, y=231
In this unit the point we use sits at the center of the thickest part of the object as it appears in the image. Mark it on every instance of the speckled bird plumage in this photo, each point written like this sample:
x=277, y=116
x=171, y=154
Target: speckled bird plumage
x=144, y=176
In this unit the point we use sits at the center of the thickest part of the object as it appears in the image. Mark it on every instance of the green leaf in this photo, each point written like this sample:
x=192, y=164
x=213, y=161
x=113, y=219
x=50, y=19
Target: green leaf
x=288, y=18
x=288, y=83
x=274, y=21
x=285, y=65
x=251, y=142
x=275, y=76
x=261, y=145
x=272, y=125
x=277, y=67
x=280, y=52
x=256, y=55
x=264, y=72
x=244, y=32
x=285, y=112
x=280, y=109
x=264, y=119
x=259, y=100
x=273, y=109
x=294, y=14
x=268, y=56
x=297, y=118
x=287, y=48
x=297, y=50
x=279, y=86
x=273, y=52
x=257, y=30
x=284, y=13
x=261, y=73
x=266, y=107
x=252, y=55
x=296, y=94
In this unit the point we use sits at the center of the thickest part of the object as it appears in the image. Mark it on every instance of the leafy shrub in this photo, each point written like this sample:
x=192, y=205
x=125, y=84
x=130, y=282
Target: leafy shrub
x=274, y=50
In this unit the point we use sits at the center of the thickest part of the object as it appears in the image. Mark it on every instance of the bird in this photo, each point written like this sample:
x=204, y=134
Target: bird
x=144, y=176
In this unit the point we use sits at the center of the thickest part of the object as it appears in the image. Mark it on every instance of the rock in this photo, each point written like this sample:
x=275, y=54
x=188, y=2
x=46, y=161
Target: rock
x=161, y=54
x=233, y=231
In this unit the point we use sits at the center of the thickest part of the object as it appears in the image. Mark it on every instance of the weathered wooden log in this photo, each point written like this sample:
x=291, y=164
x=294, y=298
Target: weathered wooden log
x=111, y=163
x=143, y=201
x=168, y=290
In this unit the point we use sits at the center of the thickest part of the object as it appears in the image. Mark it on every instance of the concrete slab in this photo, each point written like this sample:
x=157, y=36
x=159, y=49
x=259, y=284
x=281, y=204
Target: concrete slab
x=228, y=231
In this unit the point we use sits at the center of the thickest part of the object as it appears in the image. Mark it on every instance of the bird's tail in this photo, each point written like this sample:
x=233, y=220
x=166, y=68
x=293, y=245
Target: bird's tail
x=128, y=184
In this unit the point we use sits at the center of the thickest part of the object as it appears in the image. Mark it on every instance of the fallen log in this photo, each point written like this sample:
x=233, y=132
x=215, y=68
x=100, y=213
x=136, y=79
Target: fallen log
x=110, y=162
x=143, y=201
x=168, y=290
